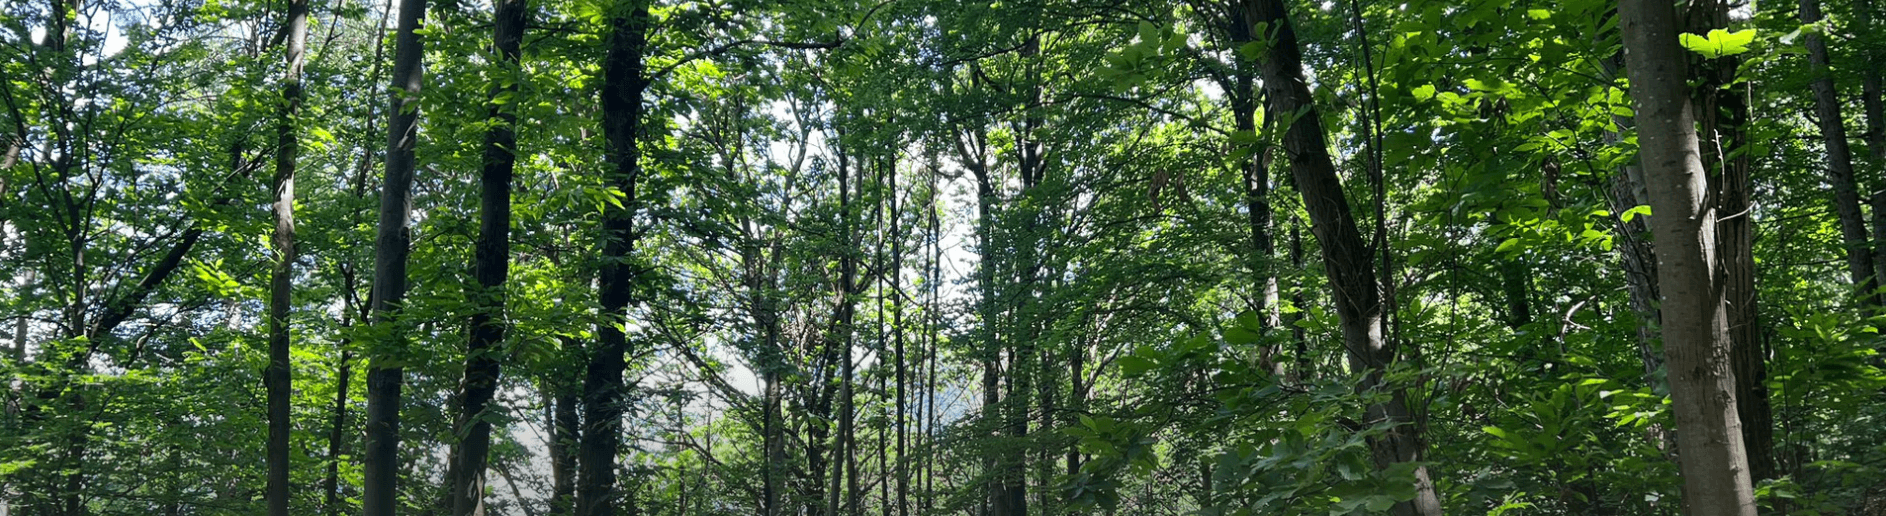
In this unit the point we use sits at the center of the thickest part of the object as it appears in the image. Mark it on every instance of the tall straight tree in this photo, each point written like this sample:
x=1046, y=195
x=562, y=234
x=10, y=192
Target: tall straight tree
x=623, y=83
x=1695, y=317
x=492, y=264
x=1347, y=260
x=278, y=378
x=1833, y=128
x=385, y=375
x=1873, y=98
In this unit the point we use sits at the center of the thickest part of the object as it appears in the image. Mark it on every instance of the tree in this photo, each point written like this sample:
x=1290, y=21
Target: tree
x=385, y=371
x=1349, y=261
x=623, y=83
x=1839, y=162
x=282, y=277
x=493, y=258
x=1695, y=318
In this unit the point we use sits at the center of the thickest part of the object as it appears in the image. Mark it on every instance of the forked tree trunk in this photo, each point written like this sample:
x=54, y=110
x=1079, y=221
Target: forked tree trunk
x=1695, y=319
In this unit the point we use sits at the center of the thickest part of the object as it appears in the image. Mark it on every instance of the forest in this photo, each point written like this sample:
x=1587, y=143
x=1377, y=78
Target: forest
x=941, y=257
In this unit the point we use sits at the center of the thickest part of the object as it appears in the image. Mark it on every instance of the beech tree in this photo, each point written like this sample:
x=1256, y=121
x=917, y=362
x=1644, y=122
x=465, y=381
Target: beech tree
x=1695, y=313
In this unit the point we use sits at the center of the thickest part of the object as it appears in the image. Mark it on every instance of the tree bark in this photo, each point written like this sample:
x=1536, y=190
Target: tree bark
x=1875, y=107
x=491, y=268
x=391, y=247
x=1696, y=330
x=1723, y=117
x=624, y=82
x=1348, y=261
x=897, y=325
x=1833, y=128
x=277, y=379
x=565, y=422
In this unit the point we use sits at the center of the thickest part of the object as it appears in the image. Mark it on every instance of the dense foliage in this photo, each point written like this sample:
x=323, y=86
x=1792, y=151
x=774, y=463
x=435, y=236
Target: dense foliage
x=998, y=258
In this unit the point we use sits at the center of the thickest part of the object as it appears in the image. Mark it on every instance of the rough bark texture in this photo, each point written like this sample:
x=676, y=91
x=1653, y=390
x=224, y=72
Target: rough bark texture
x=1347, y=260
x=276, y=380
x=624, y=81
x=393, y=243
x=1722, y=119
x=1696, y=330
x=492, y=265
x=1839, y=159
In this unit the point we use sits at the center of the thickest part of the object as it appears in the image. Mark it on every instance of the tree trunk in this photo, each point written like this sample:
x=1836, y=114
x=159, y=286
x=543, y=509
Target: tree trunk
x=281, y=279
x=1696, y=331
x=845, y=494
x=336, y=438
x=565, y=423
x=624, y=82
x=1347, y=260
x=1722, y=111
x=1256, y=174
x=1839, y=160
x=1875, y=130
x=897, y=325
x=1298, y=333
x=391, y=247
x=493, y=264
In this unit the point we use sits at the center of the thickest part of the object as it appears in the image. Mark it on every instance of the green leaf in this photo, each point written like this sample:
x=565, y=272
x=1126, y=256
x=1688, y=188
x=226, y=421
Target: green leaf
x=1135, y=366
x=1719, y=42
x=1242, y=336
x=1641, y=209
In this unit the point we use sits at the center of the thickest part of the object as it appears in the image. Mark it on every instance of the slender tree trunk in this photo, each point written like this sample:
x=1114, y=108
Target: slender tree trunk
x=1839, y=159
x=282, y=278
x=760, y=282
x=624, y=82
x=1298, y=333
x=845, y=494
x=877, y=325
x=935, y=327
x=897, y=326
x=492, y=266
x=336, y=437
x=1696, y=330
x=1256, y=174
x=1875, y=107
x=384, y=379
x=990, y=340
x=1349, y=261
x=565, y=424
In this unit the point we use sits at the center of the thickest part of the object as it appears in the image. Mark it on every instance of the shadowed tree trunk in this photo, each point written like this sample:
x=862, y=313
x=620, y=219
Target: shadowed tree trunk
x=1875, y=106
x=492, y=265
x=624, y=82
x=1833, y=128
x=1722, y=111
x=277, y=379
x=1695, y=319
x=1349, y=262
x=391, y=247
